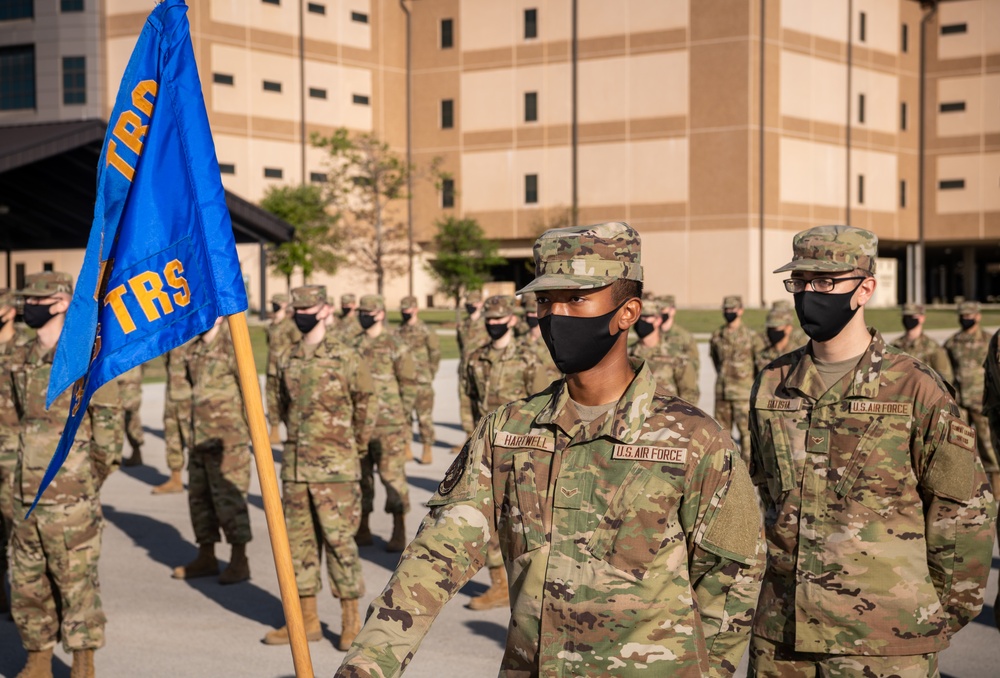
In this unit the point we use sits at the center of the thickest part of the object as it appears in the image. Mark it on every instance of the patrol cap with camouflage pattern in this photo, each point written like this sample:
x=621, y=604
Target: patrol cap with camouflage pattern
x=969, y=308
x=667, y=301
x=913, y=309
x=348, y=299
x=499, y=306
x=652, y=307
x=778, y=317
x=783, y=304
x=586, y=257
x=732, y=301
x=46, y=284
x=407, y=302
x=529, y=303
x=279, y=299
x=474, y=296
x=833, y=249
x=308, y=296
x=371, y=303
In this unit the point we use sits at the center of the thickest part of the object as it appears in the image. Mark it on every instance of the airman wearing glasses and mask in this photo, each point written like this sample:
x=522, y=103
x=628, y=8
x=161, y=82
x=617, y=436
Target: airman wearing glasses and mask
x=871, y=486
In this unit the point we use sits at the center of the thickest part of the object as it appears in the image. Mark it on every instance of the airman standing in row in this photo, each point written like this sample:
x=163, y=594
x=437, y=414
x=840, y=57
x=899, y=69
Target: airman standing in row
x=915, y=342
x=781, y=335
x=533, y=338
x=678, y=340
x=281, y=334
x=470, y=334
x=10, y=337
x=176, y=417
x=674, y=372
x=424, y=346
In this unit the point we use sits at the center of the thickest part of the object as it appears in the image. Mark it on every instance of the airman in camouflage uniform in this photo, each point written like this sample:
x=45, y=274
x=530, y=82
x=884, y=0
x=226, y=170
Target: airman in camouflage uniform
x=735, y=349
x=533, y=339
x=281, y=334
x=219, y=461
x=10, y=337
x=967, y=351
x=798, y=337
x=627, y=520
x=991, y=408
x=781, y=336
x=679, y=341
x=347, y=325
x=470, y=334
x=920, y=346
x=424, y=346
x=55, y=592
x=674, y=372
x=878, y=514
x=176, y=417
x=325, y=396
x=391, y=364
x=130, y=388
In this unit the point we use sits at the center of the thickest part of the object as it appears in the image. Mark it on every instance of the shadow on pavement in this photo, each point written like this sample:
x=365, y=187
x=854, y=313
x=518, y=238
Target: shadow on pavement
x=429, y=484
x=14, y=656
x=444, y=424
x=145, y=474
x=473, y=589
x=164, y=544
x=986, y=617
x=377, y=554
x=488, y=629
x=155, y=432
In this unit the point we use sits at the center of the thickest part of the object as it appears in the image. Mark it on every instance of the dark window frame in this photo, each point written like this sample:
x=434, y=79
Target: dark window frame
x=530, y=189
x=274, y=173
x=447, y=114
x=14, y=91
x=318, y=177
x=861, y=189
x=317, y=93
x=223, y=79
x=531, y=106
x=21, y=10
x=227, y=168
x=954, y=29
x=70, y=6
x=316, y=8
x=447, y=36
x=904, y=115
x=271, y=86
x=904, y=39
x=531, y=23
x=862, y=27
x=951, y=184
x=361, y=99
x=902, y=193
x=359, y=17
x=951, y=107
x=271, y=2
x=447, y=193
x=861, y=109
x=74, y=81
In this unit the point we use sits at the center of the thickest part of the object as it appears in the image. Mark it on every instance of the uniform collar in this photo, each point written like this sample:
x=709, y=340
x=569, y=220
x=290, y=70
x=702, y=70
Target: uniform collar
x=864, y=379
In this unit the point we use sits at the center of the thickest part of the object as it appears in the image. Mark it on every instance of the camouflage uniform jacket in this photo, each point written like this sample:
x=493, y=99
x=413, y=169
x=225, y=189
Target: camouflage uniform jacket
x=991, y=392
x=770, y=353
x=471, y=334
x=878, y=513
x=178, y=388
x=325, y=395
x=391, y=365
x=674, y=374
x=130, y=387
x=500, y=376
x=632, y=540
x=929, y=352
x=680, y=342
x=967, y=353
x=734, y=353
x=424, y=346
x=97, y=447
x=280, y=336
x=9, y=422
x=216, y=397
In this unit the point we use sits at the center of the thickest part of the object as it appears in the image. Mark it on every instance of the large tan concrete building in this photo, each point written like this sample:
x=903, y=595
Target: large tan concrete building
x=717, y=127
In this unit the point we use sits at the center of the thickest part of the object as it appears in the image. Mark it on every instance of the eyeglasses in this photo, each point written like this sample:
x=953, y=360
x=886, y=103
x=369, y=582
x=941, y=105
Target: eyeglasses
x=822, y=285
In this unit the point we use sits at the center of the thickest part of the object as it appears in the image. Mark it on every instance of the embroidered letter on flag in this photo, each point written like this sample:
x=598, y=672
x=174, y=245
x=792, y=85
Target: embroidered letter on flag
x=161, y=261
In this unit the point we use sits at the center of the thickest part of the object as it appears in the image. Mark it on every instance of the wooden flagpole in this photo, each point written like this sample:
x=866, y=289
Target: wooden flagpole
x=269, y=491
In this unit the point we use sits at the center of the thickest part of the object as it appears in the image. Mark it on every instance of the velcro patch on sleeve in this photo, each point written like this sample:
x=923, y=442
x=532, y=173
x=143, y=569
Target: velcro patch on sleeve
x=952, y=473
x=666, y=455
x=962, y=435
x=735, y=527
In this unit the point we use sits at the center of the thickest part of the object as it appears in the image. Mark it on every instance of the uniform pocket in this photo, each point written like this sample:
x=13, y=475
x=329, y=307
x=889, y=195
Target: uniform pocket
x=527, y=531
x=873, y=475
x=778, y=464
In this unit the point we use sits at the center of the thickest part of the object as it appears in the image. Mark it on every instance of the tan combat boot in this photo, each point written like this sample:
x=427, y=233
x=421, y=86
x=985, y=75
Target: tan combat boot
x=428, y=454
x=83, y=664
x=204, y=565
x=135, y=459
x=171, y=486
x=364, y=534
x=496, y=595
x=397, y=542
x=310, y=619
x=276, y=434
x=39, y=664
x=350, y=623
x=239, y=567
x=409, y=449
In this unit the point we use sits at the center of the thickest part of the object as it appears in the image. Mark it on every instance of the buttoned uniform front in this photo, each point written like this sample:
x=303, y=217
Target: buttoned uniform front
x=629, y=542
x=967, y=352
x=674, y=372
x=734, y=353
x=878, y=514
x=929, y=352
x=425, y=348
x=55, y=591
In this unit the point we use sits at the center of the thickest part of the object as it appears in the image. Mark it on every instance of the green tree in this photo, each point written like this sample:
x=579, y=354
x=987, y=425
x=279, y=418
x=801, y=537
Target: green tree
x=464, y=257
x=317, y=241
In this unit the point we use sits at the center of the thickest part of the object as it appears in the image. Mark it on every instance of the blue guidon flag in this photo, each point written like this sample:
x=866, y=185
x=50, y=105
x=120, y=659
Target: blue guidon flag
x=161, y=261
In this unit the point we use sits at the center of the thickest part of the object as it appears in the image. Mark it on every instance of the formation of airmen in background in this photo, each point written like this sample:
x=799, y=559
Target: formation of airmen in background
x=347, y=387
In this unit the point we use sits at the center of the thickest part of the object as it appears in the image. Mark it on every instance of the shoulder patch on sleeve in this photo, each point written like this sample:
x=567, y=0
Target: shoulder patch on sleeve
x=962, y=435
x=952, y=471
x=454, y=472
x=735, y=527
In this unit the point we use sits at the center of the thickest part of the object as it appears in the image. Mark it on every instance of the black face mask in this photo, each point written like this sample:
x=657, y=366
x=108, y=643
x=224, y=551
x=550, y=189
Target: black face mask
x=275, y=307
x=306, y=321
x=665, y=317
x=578, y=344
x=36, y=315
x=344, y=311
x=532, y=321
x=470, y=308
x=366, y=320
x=643, y=328
x=910, y=321
x=496, y=330
x=730, y=316
x=966, y=323
x=775, y=334
x=406, y=316
x=823, y=316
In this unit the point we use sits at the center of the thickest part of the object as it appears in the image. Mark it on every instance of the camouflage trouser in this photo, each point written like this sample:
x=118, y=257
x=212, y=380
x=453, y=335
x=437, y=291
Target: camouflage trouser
x=464, y=402
x=176, y=431
x=53, y=575
x=324, y=515
x=423, y=407
x=775, y=660
x=133, y=427
x=736, y=412
x=984, y=441
x=218, y=480
x=494, y=558
x=7, y=464
x=387, y=452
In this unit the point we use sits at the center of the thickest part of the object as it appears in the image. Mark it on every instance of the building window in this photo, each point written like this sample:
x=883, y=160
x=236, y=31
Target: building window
x=447, y=113
x=903, y=110
x=531, y=106
x=19, y=273
x=904, y=39
x=862, y=27
x=953, y=29
x=74, y=80
x=952, y=107
x=316, y=8
x=47, y=266
x=360, y=17
x=317, y=93
x=227, y=168
x=902, y=193
x=861, y=189
x=71, y=5
x=530, y=189
x=271, y=2
x=861, y=108
x=273, y=173
x=317, y=177
x=447, y=34
x=222, y=79
x=530, y=24
x=16, y=9
x=951, y=184
x=361, y=99
x=271, y=86
x=17, y=77
x=447, y=193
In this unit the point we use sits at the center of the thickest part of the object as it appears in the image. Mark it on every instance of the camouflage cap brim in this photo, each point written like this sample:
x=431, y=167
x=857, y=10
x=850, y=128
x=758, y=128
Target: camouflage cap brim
x=815, y=265
x=560, y=281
